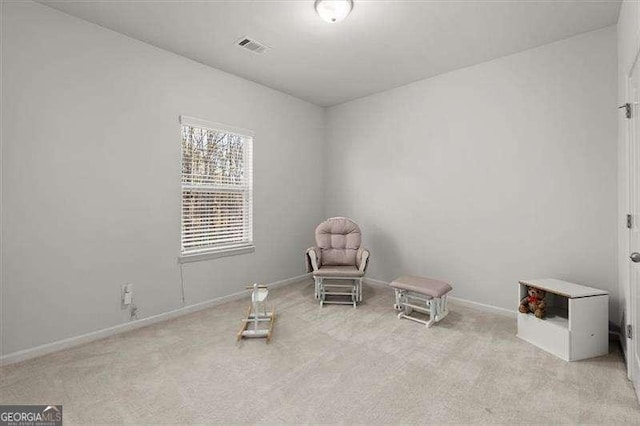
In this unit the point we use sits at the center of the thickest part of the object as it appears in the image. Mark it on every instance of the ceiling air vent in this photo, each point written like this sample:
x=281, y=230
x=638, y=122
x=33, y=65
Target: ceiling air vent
x=252, y=45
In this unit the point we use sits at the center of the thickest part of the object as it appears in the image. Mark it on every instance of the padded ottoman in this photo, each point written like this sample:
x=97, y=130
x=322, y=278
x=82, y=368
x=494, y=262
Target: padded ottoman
x=421, y=294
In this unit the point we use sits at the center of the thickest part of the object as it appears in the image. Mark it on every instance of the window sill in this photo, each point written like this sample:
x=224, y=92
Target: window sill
x=197, y=257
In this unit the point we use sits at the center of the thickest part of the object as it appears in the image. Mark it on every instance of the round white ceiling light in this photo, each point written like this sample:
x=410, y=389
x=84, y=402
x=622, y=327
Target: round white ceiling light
x=333, y=11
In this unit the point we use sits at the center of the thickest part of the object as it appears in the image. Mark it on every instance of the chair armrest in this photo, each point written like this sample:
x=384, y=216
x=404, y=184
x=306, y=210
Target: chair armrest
x=313, y=257
x=362, y=259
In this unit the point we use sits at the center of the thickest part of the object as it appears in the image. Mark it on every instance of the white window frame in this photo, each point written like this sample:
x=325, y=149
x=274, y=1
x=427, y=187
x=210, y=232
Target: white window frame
x=231, y=249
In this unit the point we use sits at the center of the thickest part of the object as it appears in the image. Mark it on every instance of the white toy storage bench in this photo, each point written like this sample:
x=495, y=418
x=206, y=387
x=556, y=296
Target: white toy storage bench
x=576, y=323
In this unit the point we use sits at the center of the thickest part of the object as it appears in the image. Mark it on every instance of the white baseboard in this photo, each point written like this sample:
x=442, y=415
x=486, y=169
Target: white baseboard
x=458, y=300
x=70, y=342
x=377, y=283
x=484, y=307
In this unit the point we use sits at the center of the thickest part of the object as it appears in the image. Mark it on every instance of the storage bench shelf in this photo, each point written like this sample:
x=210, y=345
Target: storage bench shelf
x=557, y=317
x=576, y=323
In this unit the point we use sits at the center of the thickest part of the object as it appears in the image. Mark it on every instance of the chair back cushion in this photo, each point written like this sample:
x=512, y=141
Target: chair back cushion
x=339, y=238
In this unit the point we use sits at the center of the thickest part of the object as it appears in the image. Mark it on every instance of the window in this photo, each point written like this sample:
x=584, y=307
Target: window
x=217, y=189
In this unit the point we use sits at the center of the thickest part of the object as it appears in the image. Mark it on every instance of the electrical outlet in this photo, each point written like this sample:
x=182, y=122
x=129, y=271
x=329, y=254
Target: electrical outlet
x=126, y=295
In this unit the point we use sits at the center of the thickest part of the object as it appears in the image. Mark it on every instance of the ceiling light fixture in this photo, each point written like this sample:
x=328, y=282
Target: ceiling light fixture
x=333, y=11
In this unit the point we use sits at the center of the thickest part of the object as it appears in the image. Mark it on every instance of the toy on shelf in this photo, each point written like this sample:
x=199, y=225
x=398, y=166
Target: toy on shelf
x=258, y=315
x=533, y=302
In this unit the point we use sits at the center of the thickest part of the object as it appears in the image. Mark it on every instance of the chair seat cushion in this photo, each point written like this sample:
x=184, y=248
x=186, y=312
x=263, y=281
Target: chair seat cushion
x=338, y=271
x=426, y=286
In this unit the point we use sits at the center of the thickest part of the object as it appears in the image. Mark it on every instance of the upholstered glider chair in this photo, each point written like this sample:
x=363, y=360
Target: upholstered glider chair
x=338, y=255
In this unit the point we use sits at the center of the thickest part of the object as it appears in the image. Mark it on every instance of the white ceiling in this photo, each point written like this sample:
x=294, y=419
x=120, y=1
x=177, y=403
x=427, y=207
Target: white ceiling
x=382, y=44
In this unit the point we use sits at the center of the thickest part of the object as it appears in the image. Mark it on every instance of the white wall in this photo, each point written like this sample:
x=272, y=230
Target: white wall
x=628, y=44
x=493, y=173
x=90, y=174
x=482, y=176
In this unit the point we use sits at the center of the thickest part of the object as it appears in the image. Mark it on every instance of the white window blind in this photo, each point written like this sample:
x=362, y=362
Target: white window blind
x=217, y=187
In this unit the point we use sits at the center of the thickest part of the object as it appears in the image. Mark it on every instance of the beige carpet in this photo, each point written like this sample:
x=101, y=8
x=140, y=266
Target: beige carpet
x=331, y=365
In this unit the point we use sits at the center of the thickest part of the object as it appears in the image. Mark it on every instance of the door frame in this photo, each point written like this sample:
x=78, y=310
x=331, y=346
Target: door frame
x=629, y=176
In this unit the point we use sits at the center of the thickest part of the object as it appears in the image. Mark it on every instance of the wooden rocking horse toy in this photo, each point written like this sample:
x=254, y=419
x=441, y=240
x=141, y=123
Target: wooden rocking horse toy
x=258, y=315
